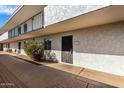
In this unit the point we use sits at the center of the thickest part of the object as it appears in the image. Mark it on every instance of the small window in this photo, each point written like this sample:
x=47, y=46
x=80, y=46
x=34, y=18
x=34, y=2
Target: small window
x=19, y=30
x=47, y=45
x=25, y=28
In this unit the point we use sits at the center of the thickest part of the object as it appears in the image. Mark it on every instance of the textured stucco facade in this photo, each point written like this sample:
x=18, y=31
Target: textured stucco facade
x=57, y=13
x=100, y=48
x=4, y=36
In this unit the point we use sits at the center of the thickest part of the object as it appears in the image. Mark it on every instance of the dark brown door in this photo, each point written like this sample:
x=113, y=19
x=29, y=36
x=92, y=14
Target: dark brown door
x=19, y=46
x=67, y=49
x=1, y=47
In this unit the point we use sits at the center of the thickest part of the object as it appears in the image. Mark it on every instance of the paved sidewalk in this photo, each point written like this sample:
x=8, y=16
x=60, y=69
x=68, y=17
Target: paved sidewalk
x=8, y=79
x=51, y=75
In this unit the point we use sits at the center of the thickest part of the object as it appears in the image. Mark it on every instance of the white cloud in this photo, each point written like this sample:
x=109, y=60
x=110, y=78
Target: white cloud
x=4, y=9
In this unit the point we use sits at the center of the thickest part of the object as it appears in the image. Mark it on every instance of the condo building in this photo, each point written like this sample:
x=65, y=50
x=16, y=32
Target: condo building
x=90, y=36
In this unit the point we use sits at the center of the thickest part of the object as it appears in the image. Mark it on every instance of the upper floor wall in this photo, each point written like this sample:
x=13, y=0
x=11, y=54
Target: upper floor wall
x=4, y=36
x=57, y=13
x=50, y=15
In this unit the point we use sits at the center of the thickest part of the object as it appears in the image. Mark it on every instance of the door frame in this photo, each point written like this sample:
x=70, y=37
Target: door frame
x=62, y=47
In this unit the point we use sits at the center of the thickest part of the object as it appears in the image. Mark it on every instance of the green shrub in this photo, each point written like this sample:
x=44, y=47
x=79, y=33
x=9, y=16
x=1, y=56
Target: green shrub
x=34, y=50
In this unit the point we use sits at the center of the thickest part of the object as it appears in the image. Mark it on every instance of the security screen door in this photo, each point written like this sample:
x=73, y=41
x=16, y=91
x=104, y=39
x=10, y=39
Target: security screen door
x=67, y=49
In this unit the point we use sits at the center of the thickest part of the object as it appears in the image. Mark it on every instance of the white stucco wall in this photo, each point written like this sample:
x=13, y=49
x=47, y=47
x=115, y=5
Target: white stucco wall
x=4, y=47
x=22, y=52
x=4, y=36
x=99, y=48
x=58, y=13
x=14, y=45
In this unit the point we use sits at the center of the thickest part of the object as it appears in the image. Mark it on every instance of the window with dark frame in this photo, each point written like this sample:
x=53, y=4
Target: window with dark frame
x=25, y=28
x=19, y=30
x=47, y=45
x=13, y=33
x=9, y=34
x=8, y=45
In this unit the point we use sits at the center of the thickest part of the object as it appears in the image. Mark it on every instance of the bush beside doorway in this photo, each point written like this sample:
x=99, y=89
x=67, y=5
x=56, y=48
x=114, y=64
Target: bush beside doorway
x=34, y=50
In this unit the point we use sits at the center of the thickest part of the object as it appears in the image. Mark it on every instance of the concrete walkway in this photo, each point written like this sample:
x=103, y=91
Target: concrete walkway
x=51, y=75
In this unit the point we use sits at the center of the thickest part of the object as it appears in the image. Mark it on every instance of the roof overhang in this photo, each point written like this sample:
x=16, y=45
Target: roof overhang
x=21, y=14
x=102, y=16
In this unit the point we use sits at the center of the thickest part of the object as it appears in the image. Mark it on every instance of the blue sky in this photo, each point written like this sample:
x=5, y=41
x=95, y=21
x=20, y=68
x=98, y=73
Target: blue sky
x=5, y=12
